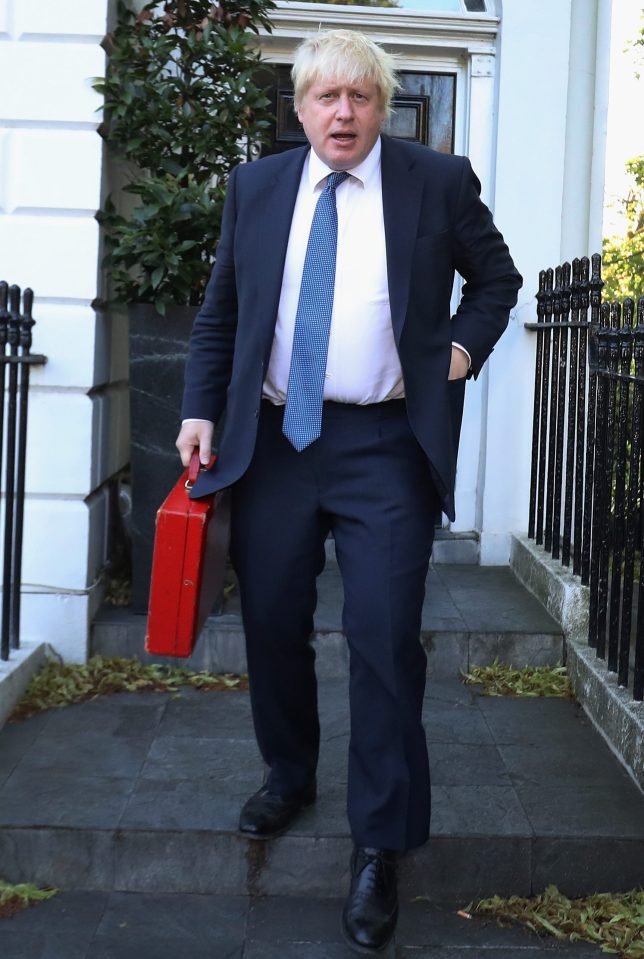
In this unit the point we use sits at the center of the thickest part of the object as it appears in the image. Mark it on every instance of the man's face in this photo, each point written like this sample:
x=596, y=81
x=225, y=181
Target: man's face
x=342, y=121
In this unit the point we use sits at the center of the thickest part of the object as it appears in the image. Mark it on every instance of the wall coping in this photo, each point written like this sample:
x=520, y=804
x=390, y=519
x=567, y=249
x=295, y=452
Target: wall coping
x=17, y=672
x=615, y=714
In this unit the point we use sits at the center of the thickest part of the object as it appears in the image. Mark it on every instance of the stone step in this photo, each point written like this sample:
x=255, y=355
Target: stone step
x=141, y=793
x=471, y=616
x=86, y=925
x=450, y=547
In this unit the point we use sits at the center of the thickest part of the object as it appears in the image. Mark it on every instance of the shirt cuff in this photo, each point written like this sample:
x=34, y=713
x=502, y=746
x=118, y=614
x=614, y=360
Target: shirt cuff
x=463, y=350
x=192, y=419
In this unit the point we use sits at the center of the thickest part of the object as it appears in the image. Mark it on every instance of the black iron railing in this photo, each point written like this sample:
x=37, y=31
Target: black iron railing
x=16, y=360
x=587, y=478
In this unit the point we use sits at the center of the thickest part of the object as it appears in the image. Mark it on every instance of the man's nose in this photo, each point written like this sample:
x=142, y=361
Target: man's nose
x=344, y=107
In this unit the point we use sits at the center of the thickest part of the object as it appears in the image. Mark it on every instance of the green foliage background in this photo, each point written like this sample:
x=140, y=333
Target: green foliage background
x=182, y=108
x=623, y=257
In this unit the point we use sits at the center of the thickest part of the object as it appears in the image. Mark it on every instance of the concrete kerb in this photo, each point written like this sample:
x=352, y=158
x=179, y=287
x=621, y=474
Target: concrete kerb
x=554, y=586
x=618, y=718
x=17, y=672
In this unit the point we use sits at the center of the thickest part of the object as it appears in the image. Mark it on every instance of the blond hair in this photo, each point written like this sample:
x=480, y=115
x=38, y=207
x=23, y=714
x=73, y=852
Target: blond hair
x=343, y=55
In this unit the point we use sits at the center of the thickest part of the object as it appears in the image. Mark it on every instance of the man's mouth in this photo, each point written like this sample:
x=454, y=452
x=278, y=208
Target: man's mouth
x=343, y=137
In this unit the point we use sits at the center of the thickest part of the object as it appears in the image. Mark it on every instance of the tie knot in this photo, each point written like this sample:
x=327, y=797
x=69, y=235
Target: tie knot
x=334, y=180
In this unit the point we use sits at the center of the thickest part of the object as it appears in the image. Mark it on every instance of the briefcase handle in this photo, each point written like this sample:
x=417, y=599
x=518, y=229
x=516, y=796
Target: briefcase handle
x=195, y=467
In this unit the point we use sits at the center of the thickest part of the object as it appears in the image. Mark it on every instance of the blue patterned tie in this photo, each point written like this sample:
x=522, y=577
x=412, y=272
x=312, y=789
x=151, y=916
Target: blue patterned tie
x=303, y=412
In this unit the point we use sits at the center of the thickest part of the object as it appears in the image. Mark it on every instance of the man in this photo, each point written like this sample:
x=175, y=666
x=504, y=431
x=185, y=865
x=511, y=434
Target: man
x=326, y=337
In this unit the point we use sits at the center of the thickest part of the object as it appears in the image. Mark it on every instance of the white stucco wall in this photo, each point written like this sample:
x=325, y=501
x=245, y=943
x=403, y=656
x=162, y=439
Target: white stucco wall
x=50, y=188
x=552, y=102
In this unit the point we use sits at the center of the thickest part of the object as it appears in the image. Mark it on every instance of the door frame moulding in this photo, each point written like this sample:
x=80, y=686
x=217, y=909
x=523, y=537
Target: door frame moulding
x=398, y=29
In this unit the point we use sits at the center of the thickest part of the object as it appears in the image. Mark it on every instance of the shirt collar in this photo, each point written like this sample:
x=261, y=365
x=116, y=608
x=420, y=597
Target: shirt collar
x=364, y=172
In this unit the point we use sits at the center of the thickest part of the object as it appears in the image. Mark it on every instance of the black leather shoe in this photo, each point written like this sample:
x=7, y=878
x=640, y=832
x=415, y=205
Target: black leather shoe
x=371, y=910
x=265, y=815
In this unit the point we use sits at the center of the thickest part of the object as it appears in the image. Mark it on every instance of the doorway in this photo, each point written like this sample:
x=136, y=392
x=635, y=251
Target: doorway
x=422, y=111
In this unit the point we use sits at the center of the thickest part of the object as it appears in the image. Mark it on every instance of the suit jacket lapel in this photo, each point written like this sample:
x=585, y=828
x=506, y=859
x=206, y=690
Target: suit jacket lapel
x=402, y=189
x=273, y=208
x=401, y=199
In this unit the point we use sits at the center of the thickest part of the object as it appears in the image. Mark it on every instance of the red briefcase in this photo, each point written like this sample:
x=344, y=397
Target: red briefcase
x=188, y=565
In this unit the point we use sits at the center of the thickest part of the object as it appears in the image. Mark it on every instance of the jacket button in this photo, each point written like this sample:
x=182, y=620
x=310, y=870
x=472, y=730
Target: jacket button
x=256, y=413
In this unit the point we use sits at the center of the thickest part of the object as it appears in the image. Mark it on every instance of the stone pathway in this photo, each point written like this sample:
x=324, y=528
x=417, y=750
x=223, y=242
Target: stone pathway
x=129, y=804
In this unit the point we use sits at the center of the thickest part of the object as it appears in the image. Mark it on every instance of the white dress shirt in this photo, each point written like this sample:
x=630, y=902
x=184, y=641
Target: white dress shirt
x=362, y=363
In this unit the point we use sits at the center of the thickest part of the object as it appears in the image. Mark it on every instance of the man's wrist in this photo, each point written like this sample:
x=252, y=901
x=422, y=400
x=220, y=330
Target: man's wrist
x=460, y=347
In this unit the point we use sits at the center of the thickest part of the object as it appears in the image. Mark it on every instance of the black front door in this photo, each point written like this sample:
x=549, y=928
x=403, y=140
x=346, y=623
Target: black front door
x=423, y=111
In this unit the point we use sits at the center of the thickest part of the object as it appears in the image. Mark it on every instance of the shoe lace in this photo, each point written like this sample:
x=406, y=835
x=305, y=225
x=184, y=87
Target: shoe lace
x=373, y=879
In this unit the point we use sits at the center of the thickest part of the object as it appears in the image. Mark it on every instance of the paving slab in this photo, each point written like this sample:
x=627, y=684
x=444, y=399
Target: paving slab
x=124, y=718
x=454, y=724
x=458, y=764
x=538, y=721
x=45, y=797
x=482, y=810
x=144, y=926
x=173, y=926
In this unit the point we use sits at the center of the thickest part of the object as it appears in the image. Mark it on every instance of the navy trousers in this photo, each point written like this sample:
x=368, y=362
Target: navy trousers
x=366, y=479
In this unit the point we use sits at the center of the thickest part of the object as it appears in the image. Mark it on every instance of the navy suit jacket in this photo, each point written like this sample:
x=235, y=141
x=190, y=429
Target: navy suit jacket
x=435, y=223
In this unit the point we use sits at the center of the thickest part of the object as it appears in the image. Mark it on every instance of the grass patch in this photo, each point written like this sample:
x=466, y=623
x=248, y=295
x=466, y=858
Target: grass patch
x=63, y=684
x=614, y=922
x=13, y=898
x=500, y=679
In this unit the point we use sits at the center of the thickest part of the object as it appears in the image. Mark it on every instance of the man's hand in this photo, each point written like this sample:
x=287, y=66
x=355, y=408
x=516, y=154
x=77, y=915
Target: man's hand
x=459, y=365
x=195, y=433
